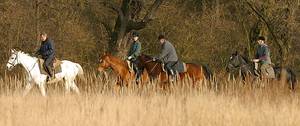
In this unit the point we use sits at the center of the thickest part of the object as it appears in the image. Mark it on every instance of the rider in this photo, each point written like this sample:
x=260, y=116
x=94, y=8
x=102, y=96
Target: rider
x=168, y=55
x=134, y=52
x=263, y=58
x=47, y=52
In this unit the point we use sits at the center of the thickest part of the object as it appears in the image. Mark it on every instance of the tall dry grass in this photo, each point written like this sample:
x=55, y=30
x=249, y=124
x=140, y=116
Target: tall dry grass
x=226, y=102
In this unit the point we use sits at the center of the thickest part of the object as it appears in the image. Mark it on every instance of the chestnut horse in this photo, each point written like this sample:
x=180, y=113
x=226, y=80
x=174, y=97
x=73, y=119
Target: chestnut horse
x=120, y=67
x=155, y=70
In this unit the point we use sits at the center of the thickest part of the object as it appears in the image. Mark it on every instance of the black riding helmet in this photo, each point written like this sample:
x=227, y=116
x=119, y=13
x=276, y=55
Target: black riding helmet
x=161, y=36
x=261, y=38
x=135, y=34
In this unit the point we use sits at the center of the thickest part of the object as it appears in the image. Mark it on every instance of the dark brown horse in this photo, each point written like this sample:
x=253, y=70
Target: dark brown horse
x=120, y=67
x=155, y=70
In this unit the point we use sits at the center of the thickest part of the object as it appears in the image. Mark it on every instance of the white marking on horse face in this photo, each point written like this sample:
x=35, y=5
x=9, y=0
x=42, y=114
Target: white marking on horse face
x=231, y=57
x=12, y=61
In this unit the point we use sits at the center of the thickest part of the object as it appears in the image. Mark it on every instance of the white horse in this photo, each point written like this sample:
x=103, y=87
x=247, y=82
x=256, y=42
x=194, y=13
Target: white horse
x=31, y=64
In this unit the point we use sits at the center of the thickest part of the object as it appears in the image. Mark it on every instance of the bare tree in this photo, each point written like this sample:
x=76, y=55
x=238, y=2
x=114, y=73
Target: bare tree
x=128, y=20
x=278, y=27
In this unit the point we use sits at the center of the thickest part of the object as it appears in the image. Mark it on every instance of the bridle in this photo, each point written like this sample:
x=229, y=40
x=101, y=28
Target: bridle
x=13, y=64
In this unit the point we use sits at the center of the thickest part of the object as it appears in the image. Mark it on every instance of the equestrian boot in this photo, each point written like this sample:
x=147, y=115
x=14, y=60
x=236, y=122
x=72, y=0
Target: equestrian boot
x=137, y=75
x=50, y=72
x=173, y=76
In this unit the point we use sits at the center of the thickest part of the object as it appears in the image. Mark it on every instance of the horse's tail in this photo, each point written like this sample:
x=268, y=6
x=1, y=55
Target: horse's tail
x=80, y=70
x=207, y=72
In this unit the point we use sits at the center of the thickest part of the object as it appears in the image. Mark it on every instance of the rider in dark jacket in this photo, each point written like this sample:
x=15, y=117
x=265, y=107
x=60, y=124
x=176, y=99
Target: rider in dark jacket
x=134, y=52
x=47, y=52
x=263, y=58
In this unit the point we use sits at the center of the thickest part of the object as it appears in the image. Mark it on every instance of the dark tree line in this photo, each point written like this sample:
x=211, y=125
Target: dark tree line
x=203, y=31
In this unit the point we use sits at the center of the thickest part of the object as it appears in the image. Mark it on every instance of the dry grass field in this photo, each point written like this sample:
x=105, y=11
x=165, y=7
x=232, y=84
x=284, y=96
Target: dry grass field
x=229, y=103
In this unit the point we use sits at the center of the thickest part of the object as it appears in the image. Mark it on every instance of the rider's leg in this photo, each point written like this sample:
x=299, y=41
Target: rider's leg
x=256, y=71
x=48, y=65
x=136, y=70
x=45, y=67
x=169, y=68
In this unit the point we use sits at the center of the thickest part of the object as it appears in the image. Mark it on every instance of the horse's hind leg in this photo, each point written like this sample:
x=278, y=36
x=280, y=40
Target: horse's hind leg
x=74, y=87
x=42, y=89
x=67, y=86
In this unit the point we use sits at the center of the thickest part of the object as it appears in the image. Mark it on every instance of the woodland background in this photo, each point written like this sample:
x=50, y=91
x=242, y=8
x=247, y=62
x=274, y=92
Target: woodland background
x=203, y=31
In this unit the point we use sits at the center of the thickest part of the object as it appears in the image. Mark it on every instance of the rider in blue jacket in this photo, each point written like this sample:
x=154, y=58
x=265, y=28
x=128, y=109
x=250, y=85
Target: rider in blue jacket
x=47, y=52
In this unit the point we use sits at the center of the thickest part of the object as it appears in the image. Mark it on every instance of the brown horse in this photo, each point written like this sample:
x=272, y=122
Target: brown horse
x=120, y=67
x=155, y=70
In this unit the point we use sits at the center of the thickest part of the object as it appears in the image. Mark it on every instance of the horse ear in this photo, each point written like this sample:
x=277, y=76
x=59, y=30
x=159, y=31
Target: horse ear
x=13, y=50
x=236, y=53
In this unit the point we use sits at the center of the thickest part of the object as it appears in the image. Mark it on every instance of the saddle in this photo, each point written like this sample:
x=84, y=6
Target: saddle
x=265, y=70
x=179, y=67
x=56, y=66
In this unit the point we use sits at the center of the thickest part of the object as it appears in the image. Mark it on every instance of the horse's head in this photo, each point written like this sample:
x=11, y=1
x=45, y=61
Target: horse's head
x=104, y=62
x=143, y=59
x=235, y=61
x=13, y=60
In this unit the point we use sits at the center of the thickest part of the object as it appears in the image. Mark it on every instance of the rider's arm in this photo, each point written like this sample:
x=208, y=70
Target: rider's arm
x=50, y=47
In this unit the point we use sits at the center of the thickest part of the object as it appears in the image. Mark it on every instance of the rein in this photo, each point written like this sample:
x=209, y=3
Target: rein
x=153, y=67
x=148, y=61
x=242, y=66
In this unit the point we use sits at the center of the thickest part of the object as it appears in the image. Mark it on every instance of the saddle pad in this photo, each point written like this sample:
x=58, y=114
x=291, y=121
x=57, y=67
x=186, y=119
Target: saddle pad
x=267, y=71
x=56, y=65
x=180, y=67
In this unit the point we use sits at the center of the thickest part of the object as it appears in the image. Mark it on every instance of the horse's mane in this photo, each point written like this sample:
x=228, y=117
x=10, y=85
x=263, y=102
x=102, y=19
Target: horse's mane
x=26, y=54
x=245, y=59
x=116, y=59
x=147, y=56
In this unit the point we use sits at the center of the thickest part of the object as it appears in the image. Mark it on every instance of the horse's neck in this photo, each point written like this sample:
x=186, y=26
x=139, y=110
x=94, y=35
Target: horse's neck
x=248, y=66
x=118, y=66
x=27, y=62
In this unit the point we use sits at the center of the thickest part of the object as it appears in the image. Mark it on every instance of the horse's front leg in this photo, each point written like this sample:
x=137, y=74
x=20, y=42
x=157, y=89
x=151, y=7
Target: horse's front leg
x=28, y=87
x=117, y=87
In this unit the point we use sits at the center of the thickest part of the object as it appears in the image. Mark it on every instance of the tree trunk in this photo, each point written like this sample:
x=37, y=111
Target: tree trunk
x=126, y=22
